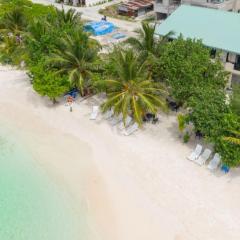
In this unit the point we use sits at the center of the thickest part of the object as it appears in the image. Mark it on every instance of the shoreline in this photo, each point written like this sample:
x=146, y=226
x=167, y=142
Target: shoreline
x=138, y=187
x=78, y=177
x=49, y=155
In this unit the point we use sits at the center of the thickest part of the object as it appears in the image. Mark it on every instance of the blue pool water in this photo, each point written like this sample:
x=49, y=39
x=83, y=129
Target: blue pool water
x=32, y=206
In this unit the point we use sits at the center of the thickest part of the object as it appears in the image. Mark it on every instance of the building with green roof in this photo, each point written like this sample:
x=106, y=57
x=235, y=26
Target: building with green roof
x=217, y=29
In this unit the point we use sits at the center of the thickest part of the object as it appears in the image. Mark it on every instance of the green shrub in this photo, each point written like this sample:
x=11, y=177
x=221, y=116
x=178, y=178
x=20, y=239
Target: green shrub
x=235, y=103
x=186, y=137
x=185, y=65
x=181, y=122
x=48, y=83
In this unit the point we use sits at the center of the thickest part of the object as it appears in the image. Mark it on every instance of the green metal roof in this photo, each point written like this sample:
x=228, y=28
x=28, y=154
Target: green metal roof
x=216, y=28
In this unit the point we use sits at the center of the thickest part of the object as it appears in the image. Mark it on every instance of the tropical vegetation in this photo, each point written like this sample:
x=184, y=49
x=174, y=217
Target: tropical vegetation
x=136, y=76
x=235, y=100
x=198, y=84
x=78, y=61
x=147, y=45
x=130, y=88
x=235, y=138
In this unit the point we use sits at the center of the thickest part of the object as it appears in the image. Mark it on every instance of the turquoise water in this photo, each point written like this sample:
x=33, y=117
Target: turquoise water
x=32, y=206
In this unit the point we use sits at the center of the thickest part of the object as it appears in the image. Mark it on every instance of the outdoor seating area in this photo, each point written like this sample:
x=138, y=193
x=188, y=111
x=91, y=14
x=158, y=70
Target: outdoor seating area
x=117, y=126
x=126, y=127
x=200, y=157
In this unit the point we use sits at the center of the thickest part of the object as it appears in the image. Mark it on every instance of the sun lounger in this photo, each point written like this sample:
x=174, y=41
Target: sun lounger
x=116, y=119
x=203, y=157
x=131, y=129
x=215, y=162
x=108, y=114
x=196, y=153
x=94, y=113
x=127, y=123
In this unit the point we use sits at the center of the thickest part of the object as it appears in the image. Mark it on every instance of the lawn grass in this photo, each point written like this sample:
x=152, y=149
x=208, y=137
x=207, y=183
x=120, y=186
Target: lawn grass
x=112, y=11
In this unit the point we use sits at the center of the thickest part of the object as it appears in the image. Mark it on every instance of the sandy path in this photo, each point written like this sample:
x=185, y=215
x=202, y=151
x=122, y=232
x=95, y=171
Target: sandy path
x=91, y=14
x=138, y=187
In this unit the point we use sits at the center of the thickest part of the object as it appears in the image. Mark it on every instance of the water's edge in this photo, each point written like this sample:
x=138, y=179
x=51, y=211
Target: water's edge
x=32, y=205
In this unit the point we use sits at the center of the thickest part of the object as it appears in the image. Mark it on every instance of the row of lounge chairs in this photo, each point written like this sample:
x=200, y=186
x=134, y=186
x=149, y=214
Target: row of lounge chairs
x=200, y=157
x=128, y=127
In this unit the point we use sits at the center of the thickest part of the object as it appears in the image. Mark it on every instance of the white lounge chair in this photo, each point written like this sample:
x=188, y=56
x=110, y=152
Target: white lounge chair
x=94, y=113
x=131, y=129
x=108, y=114
x=215, y=162
x=116, y=119
x=196, y=153
x=127, y=123
x=203, y=157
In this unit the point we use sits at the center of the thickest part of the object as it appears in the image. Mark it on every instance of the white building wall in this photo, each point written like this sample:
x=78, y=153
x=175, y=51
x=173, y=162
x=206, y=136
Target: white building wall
x=166, y=7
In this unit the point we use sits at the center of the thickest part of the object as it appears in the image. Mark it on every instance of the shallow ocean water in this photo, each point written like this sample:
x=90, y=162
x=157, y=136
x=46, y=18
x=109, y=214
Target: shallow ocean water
x=32, y=205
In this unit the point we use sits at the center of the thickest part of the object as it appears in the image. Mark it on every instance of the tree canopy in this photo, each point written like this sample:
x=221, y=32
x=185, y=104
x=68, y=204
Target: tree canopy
x=130, y=88
x=186, y=67
x=136, y=76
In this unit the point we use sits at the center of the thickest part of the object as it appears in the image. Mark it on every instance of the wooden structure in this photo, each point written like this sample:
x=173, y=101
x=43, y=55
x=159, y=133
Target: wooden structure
x=135, y=8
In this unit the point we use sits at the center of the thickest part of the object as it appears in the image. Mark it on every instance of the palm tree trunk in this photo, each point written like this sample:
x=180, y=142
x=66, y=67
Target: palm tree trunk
x=54, y=101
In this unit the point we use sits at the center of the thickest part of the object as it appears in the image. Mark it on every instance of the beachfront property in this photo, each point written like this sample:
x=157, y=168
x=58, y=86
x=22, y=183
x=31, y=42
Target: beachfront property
x=164, y=8
x=216, y=29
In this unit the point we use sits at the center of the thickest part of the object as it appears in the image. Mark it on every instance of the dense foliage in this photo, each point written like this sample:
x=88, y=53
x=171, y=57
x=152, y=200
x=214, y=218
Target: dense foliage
x=198, y=83
x=185, y=65
x=235, y=101
x=146, y=44
x=234, y=138
x=47, y=40
x=130, y=88
x=59, y=56
x=79, y=61
x=48, y=83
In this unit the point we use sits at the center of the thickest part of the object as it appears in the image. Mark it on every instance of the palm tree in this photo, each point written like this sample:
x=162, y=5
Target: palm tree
x=69, y=17
x=13, y=22
x=146, y=43
x=11, y=51
x=234, y=139
x=76, y=56
x=130, y=89
x=38, y=28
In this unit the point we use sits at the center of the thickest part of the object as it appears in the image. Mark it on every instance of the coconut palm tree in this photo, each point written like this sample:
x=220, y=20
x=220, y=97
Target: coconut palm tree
x=234, y=139
x=13, y=22
x=76, y=56
x=69, y=17
x=146, y=43
x=38, y=28
x=130, y=89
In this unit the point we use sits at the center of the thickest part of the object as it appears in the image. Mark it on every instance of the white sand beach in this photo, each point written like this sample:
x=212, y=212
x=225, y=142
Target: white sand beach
x=136, y=188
